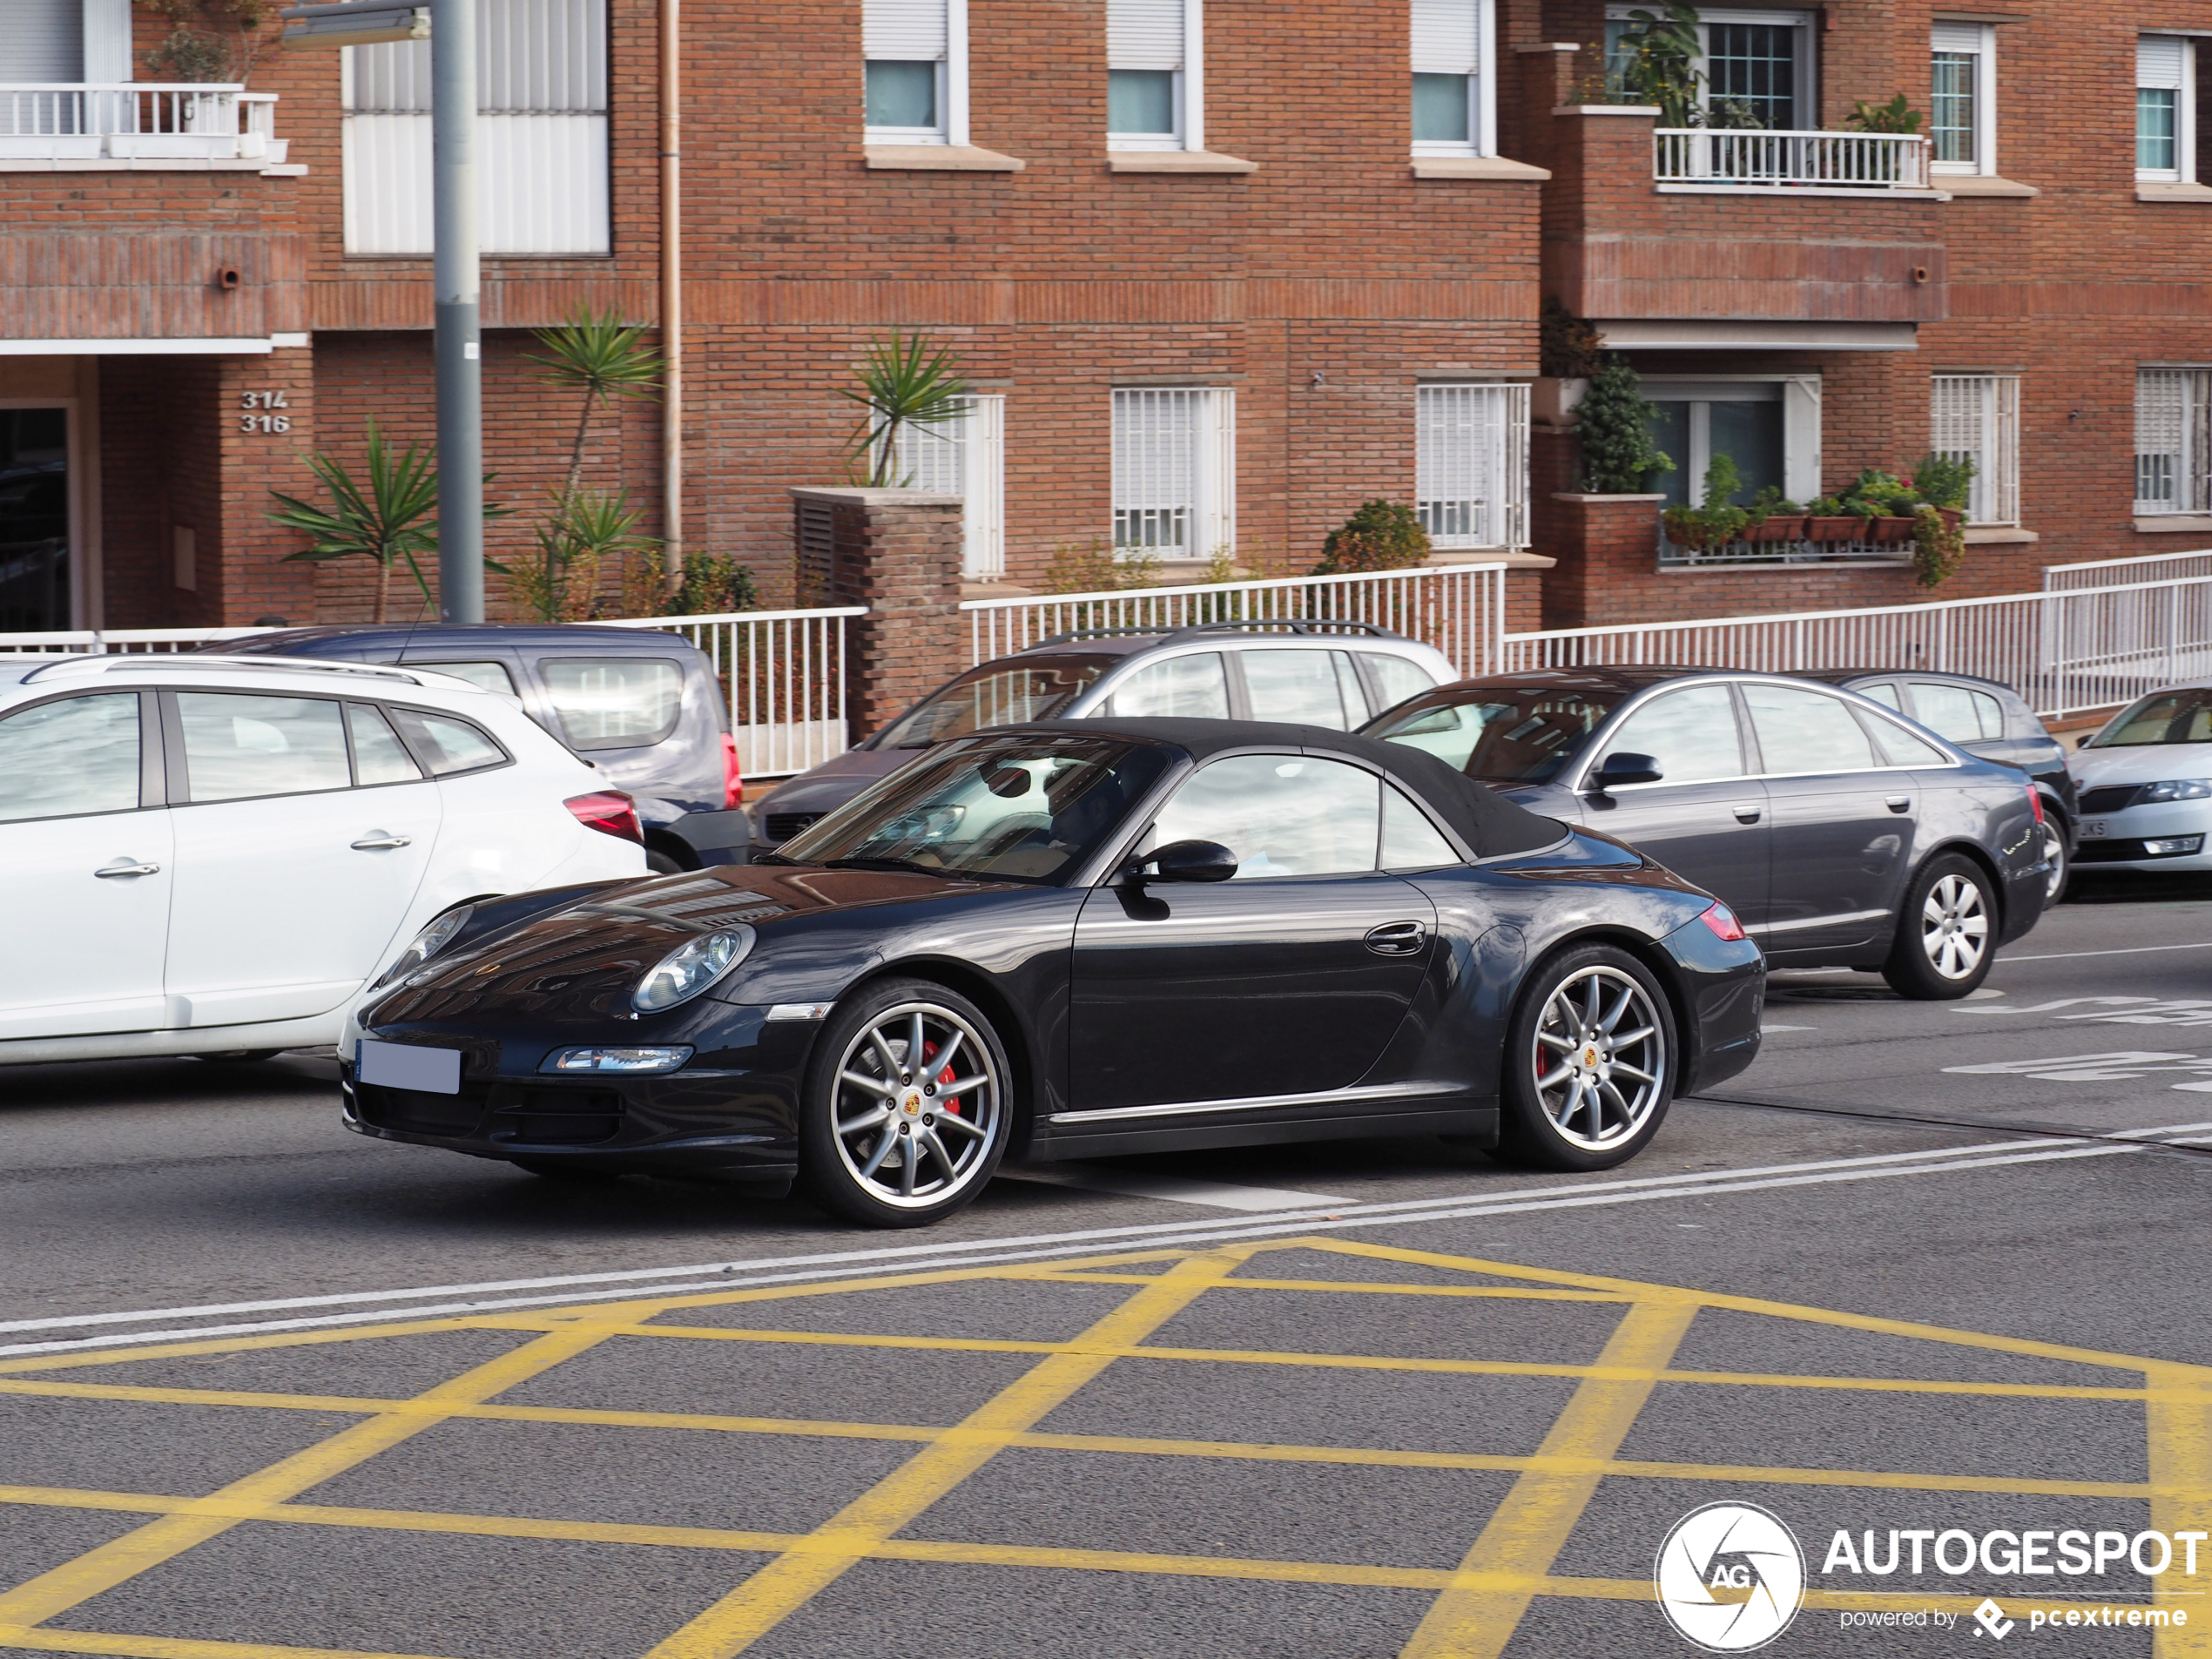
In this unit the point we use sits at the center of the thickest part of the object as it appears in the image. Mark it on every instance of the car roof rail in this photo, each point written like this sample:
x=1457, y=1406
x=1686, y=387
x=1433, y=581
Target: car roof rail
x=1288, y=624
x=110, y=665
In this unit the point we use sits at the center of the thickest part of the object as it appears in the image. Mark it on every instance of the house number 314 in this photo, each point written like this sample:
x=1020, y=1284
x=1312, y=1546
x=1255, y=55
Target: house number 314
x=259, y=416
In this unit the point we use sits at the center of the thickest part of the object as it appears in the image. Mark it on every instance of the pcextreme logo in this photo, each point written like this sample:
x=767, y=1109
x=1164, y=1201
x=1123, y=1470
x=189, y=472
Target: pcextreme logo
x=1730, y=1577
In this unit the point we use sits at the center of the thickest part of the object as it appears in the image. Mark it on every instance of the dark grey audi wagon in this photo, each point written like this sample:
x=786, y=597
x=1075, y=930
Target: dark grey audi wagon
x=1842, y=835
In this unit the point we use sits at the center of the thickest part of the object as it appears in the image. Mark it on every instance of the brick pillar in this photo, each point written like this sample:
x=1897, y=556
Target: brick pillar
x=897, y=552
x=1605, y=546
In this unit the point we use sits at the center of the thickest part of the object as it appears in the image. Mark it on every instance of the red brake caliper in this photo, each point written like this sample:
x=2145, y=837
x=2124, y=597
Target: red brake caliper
x=929, y=1052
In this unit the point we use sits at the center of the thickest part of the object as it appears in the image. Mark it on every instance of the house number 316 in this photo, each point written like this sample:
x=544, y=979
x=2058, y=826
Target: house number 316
x=257, y=418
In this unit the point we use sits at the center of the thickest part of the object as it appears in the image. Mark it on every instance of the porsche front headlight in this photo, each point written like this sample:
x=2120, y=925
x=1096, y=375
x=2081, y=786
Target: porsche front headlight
x=690, y=968
x=426, y=944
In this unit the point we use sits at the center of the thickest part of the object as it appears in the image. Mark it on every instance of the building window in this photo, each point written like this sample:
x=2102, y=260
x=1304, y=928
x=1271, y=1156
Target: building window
x=965, y=457
x=1757, y=65
x=1962, y=111
x=1453, y=114
x=541, y=134
x=1769, y=426
x=2173, y=441
x=1175, y=471
x=1977, y=418
x=2165, y=109
x=1471, y=481
x=1154, y=75
x=916, y=68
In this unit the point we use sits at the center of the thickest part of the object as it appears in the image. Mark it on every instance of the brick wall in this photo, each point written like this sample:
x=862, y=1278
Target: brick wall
x=896, y=551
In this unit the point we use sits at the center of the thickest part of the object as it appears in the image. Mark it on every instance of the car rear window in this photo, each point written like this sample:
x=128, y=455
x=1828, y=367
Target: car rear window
x=1498, y=732
x=614, y=702
x=1955, y=713
x=447, y=742
x=493, y=677
x=1396, y=678
x=996, y=694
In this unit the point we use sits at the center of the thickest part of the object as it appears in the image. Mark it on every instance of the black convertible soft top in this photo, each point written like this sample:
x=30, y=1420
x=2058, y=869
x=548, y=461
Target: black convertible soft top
x=1486, y=820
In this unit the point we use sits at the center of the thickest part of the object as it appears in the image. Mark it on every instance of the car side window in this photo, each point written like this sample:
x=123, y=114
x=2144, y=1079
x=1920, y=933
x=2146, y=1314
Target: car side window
x=1395, y=679
x=447, y=742
x=1956, y=712
x=1903, y=747
x=379, y=756
x=1691, y=734
x=1881, y=692
x=1807, y=732
x=64, y=759
x=240, y=744
x=1302, y=687
x=614, y=702
x=493, y=677
x=1280, y=814
x=1409, y=840
x=1195, y=686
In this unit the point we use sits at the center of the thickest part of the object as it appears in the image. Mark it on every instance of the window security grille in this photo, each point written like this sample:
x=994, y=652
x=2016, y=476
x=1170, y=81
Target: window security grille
x=1447, y=42
x=541, y=133
x=1175, y=471
x=2164, y=109
x=2173, y=441
x=1754, y=65
x=1976, y=417
x=1471, y=484
x=964, y=457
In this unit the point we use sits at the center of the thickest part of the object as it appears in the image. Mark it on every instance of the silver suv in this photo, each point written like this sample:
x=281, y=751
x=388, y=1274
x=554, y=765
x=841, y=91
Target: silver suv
x=1334, y=674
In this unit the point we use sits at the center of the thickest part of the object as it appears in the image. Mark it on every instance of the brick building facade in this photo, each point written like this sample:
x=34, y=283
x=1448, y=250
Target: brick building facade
x=1283, y=249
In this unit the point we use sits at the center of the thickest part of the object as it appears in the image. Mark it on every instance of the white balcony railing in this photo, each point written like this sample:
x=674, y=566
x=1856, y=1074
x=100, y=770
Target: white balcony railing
x=140, y=121
x=1716, y=157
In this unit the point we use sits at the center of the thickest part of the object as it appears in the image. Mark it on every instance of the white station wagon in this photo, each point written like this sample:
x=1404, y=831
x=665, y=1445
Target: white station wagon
x=204, y=855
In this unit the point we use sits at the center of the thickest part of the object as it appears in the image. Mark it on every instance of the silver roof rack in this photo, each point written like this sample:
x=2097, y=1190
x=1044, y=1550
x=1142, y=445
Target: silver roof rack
x=209, y=659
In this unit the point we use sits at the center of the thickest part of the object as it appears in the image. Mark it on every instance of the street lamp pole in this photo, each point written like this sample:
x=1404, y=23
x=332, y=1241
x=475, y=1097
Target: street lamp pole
x=460, y=364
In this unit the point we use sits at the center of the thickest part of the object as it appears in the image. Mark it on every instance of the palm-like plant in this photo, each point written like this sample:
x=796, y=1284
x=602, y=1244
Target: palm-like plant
x=905, y=381
x=603, y=358
x=575, y=544
x=394, y=518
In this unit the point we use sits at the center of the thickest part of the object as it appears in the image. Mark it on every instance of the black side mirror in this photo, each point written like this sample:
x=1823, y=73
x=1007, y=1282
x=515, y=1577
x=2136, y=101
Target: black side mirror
x=1010, y=782
x=1184, y=861
x=1622, y=767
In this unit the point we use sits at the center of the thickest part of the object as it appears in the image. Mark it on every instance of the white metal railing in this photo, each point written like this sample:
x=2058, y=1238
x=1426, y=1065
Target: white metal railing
x=2066, y=652
x=102, y=642
x=82, y=121
x=1785, y=160
x=2105, y=573
x=783, y=673
x=1459, y=609
x=1859, y=550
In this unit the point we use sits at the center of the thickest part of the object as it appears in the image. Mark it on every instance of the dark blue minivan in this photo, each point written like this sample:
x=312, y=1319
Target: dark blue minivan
x=643, y=706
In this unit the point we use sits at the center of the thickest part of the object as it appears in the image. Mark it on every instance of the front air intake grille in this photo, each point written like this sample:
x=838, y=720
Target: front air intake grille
x=2112, y=799
x=781, y=826
x=412, y=1111
x=554, y=1116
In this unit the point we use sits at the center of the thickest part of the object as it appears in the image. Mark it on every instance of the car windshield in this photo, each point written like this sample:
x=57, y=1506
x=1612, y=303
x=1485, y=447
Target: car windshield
x=1500, y=732
x=1023, y=808
x=996, y=694
x=2163, y=717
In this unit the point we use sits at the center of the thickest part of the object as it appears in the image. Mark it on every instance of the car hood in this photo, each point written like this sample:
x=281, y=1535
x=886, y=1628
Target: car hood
x=835, y=781
x=578, y=964
x=2140, y=764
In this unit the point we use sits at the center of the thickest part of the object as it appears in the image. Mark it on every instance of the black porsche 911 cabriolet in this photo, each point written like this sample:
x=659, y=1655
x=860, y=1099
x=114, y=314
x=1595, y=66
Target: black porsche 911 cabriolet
x=1074, y=939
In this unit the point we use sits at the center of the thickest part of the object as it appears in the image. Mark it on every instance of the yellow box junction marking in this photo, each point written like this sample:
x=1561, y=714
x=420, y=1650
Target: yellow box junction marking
x=1477, y=1608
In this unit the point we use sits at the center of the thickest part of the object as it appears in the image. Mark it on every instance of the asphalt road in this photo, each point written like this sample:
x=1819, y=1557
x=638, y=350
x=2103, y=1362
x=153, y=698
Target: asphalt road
x=270, y=1389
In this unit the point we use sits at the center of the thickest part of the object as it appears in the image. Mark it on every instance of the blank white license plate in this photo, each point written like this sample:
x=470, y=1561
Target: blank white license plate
x=2091, y=829
x=403, y=1065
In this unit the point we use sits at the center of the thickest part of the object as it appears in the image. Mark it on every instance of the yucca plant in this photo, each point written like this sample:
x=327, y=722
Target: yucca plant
x=576, y=541
x=392, y=517
x=905, y=381
x=600, y=357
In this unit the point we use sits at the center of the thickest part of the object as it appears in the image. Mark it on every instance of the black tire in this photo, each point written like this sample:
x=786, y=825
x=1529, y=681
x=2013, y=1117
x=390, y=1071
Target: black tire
x=1946, y=932
x=559, y=1170
x=1575, y=1096
x=884, y=1155
x=660, y=863
x=2056, y=849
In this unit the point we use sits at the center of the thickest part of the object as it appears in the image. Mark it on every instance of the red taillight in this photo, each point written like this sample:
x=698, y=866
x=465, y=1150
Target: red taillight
x=608, y=811
x=1723, y=923
x=732, y=781
x=2035, y=801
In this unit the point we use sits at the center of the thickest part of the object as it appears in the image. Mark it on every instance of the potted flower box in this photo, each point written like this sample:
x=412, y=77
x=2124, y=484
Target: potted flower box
x=1844, y=527
x=1778, y=527
x=1889, y=530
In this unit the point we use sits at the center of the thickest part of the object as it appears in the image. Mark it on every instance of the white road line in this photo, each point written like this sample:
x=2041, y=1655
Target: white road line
x=2129, y=950
x=1769, y=1025
x=857, y=1264
x=1172, y=1187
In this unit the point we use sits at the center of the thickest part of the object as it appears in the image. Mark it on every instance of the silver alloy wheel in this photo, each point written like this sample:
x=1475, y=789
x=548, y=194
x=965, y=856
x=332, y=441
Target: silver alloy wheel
x=911, y=1135
x=1600, y=1057
x=1954, y=927
x=2054, y=850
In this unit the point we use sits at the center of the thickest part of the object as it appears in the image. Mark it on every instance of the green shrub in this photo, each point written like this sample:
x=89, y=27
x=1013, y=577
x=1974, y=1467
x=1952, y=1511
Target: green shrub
x=1938, y=547
x=1381, y=535
x=1614, y=425
x=1716, y=519
x=1944, y=481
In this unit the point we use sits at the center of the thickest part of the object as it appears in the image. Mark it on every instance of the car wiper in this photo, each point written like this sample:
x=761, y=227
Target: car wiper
x=907, y=864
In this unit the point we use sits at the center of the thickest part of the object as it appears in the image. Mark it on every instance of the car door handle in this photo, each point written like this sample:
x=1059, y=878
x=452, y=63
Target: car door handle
x=1396, y=937
x=121, y=868
x=377, y=839
x=1900, y=803
x=1746, y=813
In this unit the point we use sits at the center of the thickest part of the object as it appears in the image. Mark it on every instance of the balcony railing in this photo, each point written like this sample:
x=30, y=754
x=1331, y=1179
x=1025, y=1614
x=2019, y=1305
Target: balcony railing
x=140, y=121
x=1711, y=157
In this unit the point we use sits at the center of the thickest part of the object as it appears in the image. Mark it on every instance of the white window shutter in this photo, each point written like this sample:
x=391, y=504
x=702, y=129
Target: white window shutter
x=1471, y=464
x=1446, y=37
x=1956, y=38
x=43, y=41
x=983, y=486
x=1801, y=437
x=2161, y=60
x=903, y=30
x=1144, y=34
x=107, y=40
